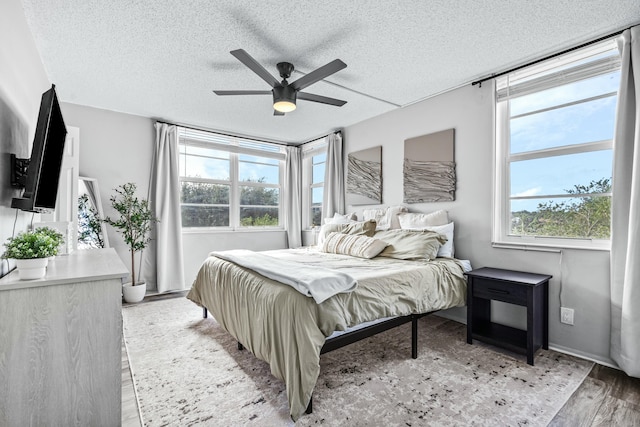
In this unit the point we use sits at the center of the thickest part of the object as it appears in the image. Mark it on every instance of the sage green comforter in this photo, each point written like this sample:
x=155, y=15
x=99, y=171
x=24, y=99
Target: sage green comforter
x=287, y=329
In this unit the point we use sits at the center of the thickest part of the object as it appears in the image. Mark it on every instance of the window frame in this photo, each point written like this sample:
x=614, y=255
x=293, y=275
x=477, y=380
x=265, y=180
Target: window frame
x=234, y=146
x=501, y=227
x=309, y=151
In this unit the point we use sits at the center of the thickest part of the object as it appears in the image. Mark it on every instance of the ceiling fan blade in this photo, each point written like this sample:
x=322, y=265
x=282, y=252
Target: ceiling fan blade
x=242, y=92
x=278, y=113
x=318, y=74
x=321, y=99
x=255, y=66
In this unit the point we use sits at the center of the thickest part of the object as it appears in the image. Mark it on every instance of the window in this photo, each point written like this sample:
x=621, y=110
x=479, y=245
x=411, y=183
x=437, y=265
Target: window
x=229, y=182
x=314, y=155
x=554, y=133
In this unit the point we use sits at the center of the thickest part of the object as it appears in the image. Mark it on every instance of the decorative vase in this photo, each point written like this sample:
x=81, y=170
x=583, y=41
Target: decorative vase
x=31, y=269
x=133, y=293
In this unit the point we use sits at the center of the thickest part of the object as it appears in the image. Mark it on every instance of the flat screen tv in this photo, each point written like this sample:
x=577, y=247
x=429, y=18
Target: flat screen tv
x=43, y=170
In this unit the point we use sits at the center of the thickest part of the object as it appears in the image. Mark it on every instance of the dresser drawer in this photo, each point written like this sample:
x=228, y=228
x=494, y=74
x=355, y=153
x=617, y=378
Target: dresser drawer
x=500, y=291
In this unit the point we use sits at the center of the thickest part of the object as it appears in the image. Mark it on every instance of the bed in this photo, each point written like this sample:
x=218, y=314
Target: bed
x=290, y=330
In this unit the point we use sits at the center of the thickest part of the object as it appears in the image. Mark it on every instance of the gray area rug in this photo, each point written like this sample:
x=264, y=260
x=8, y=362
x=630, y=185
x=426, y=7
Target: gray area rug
x=188, y=371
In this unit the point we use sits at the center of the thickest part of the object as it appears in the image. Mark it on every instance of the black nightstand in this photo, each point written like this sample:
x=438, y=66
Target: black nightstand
x=513, y=287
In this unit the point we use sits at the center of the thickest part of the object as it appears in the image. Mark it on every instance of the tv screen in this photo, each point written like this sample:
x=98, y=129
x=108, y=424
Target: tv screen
x=43, y=171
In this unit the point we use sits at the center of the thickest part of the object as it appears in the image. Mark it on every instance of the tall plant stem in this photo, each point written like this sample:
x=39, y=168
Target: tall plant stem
x=133, y=268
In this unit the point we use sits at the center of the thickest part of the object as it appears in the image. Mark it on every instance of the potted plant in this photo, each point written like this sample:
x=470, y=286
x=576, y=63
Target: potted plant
x=134, y=223
x=31, y=250
x=57, y=237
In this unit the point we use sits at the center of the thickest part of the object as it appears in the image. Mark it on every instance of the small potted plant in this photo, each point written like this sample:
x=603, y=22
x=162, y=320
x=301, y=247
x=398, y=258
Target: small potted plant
x=134, y=222
x=31, y=251
x=55, y=235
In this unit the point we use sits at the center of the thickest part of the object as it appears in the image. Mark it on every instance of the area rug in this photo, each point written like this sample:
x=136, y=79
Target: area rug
x=188, y=371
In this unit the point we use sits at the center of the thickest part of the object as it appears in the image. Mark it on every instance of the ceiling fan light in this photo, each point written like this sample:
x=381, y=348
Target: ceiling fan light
x=284, y=106
x=284, y=99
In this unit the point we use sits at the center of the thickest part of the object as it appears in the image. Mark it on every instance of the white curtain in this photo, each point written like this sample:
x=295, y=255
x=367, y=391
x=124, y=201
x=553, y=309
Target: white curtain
x=164, y=257
x=625, y=212
x=293, y=196
x=333, y=195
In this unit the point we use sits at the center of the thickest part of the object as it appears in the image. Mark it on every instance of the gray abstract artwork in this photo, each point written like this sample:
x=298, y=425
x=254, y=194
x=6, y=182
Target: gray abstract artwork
x=364, y=177
x=429, y=168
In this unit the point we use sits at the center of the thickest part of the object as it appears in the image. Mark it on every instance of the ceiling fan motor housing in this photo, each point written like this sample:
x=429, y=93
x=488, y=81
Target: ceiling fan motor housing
x=284, y=98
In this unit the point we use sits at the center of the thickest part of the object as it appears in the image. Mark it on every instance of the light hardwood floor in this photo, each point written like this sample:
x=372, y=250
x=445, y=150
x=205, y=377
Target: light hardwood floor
x=607, y=397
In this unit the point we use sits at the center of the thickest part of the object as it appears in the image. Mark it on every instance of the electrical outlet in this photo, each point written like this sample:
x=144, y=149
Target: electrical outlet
x=566, y=315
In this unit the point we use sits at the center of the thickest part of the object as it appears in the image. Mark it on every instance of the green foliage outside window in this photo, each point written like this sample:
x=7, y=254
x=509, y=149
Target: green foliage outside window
x=580, y=217
x=207, y=205
x=89, y=224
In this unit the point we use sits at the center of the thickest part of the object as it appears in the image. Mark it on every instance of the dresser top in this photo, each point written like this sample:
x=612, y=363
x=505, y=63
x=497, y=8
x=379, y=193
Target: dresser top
x=80, y=266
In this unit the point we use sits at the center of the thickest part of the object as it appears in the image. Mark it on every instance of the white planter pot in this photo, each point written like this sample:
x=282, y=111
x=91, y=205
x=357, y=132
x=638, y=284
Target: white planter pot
x=31, y=269
x=134, y=293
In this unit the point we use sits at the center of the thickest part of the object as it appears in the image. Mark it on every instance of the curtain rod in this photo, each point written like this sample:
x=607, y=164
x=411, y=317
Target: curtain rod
x=502, y=73
x=320, y=137
x=251, y=138
x=245, y=137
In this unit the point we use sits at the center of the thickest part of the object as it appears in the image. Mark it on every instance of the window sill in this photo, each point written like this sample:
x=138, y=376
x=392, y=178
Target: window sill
x=230, y=230
x=551, y=247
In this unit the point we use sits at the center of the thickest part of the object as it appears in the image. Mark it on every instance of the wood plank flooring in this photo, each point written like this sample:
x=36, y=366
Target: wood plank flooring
x=607, y=397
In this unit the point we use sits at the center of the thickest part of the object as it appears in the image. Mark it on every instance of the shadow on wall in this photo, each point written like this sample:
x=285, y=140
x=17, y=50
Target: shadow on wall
x=14, y=134
x=13, y=140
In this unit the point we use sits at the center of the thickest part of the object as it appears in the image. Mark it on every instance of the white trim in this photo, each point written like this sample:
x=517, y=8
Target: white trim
x=562, y=150
x=530, y=245
x=586, y=356
x=508, y=87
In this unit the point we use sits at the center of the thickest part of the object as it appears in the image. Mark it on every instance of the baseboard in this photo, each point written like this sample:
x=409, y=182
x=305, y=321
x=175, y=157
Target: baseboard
x=556, y=347
x=583, y=355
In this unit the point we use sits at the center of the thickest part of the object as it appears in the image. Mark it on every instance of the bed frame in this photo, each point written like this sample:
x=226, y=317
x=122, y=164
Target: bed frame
x=359, y=334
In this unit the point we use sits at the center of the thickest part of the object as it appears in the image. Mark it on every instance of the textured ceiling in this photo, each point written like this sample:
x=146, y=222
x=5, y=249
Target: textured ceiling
x=163, y=58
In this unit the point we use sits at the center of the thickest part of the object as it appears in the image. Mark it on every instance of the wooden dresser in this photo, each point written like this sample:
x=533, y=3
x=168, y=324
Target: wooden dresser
x=60, y=343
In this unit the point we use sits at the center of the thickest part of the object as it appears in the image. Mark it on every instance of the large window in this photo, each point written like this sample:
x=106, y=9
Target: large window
x=314, y=155
x=554, y=129
x=229, y=182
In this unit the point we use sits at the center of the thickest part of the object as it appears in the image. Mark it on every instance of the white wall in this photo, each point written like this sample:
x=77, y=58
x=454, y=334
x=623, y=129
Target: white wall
x=116, y=148
x=22, y=81
x=469, y=110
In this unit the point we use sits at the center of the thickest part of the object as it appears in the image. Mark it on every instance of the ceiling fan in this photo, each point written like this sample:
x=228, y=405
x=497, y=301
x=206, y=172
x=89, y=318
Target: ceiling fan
x=284, y=93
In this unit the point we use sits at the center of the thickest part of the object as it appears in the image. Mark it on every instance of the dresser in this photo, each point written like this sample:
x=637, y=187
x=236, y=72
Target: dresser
x=60, y=343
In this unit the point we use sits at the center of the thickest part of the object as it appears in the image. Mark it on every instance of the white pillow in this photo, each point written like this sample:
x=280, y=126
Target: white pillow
x=387, y=218
x=393, y=214
x=341, y=219
x=378, y=215
x=417, y=221
x=447, y=249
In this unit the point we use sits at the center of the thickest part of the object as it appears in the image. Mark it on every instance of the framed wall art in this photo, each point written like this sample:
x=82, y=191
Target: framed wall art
x=429, y=168
x=364, y=177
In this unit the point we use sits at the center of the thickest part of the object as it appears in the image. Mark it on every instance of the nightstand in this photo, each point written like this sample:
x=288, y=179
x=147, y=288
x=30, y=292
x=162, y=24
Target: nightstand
x=514, y=287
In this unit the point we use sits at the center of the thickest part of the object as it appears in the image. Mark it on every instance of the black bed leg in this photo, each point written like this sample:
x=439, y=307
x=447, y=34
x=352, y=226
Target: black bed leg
x=204, y=312
x=414, y=338
x=310, y=406
x=240, y=346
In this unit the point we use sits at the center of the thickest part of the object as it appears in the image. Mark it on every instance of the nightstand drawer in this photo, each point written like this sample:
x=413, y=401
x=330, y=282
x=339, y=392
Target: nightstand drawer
x=500, y=291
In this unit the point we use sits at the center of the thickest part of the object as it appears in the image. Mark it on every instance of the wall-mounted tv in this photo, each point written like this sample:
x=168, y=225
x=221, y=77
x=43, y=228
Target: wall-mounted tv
x=43, y=169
